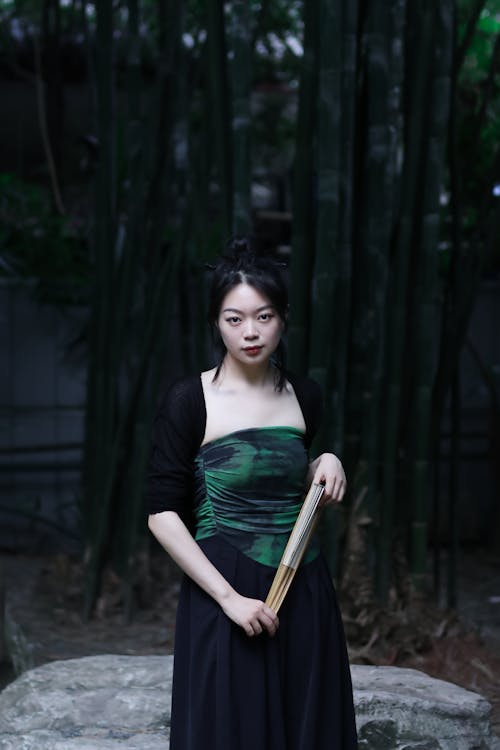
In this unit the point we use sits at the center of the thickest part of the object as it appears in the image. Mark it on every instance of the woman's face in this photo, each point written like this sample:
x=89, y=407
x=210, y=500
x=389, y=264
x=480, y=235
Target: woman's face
x=249, y=325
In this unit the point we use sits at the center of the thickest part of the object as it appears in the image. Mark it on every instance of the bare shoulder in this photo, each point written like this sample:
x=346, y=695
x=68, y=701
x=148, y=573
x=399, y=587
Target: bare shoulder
x=207, y=376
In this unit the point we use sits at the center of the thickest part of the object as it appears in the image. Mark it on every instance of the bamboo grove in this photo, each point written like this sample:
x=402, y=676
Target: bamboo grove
x=377, y=316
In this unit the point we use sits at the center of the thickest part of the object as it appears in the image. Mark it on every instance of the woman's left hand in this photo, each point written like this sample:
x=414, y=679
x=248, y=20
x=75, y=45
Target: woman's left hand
x=328, y=469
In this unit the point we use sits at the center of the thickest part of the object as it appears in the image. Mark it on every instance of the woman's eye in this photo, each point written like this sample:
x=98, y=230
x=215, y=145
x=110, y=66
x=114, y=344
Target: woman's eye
x=266, y=316
x=233, y=319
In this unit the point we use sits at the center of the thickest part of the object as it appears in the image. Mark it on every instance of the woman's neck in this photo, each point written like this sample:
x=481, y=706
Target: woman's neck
x=233, y=372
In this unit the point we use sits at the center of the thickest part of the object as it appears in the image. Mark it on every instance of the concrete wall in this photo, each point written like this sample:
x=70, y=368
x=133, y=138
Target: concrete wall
x=480, y=460
x=42, y=396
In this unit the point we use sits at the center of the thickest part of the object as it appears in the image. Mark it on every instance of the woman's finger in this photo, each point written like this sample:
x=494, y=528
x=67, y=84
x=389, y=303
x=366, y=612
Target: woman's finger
x=257, y=627
x=270, y=623
x=339, y=489
x=334, y=490
x=264, y=619
x=272, y=615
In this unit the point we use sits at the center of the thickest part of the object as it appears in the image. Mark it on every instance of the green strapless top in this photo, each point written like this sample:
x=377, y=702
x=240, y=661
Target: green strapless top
x=249, y=490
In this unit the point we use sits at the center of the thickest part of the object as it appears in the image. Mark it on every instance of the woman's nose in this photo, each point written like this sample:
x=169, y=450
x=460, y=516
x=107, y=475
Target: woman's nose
x=250, y=330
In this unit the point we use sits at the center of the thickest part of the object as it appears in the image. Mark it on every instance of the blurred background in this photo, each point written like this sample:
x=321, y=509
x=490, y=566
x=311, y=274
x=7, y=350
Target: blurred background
x=356, y=140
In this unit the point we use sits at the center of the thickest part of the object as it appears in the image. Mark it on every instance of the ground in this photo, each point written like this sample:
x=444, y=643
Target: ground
x=461, y=646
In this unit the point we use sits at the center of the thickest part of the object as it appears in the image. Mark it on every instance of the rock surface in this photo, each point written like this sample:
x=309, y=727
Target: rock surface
x=403, y=709
x=113, y=702
x=93, y=703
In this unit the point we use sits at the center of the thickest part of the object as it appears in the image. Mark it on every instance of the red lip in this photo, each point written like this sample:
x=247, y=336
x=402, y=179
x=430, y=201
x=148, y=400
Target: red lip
x=252, y=349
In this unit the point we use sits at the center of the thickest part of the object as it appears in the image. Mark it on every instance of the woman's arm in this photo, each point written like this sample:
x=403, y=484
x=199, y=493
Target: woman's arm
x=327, y=468
x=250, y=614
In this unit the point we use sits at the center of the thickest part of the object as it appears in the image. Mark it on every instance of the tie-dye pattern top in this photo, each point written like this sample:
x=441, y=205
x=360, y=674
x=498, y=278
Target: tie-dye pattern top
x=249, y=487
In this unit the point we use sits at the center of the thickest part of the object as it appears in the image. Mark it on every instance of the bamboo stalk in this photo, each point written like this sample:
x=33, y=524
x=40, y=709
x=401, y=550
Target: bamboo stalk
x=169, y=19
x=240, y=34
x=453, y=484
x=303, y=192
x=100, y=401
x=425, y=347
x=217, y=75
x=344, y=253
x=397, y=300
x=325, y=273
x=450, y=291
x=328, y=169
x=373, y=239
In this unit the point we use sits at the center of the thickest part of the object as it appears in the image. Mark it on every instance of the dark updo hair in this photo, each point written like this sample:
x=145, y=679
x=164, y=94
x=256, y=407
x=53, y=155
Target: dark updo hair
x=242, y=265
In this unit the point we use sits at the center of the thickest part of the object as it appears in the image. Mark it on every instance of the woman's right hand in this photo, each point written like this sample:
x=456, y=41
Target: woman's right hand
x=252, y=615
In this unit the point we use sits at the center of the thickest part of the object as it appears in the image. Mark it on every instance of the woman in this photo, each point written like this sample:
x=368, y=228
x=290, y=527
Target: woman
x=230, y=459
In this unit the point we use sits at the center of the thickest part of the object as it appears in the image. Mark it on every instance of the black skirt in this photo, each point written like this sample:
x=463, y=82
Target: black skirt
x=287, y=692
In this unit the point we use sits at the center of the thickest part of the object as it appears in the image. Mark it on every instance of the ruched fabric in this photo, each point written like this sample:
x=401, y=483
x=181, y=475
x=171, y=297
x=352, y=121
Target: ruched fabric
x=250, y=488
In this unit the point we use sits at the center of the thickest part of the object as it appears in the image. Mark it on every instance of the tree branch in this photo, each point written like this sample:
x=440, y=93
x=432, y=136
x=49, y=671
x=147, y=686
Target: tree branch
x=42, y=119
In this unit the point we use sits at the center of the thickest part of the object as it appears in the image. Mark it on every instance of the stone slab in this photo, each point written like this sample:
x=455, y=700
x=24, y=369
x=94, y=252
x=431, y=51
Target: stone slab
x=116, y=702
x=406, y=709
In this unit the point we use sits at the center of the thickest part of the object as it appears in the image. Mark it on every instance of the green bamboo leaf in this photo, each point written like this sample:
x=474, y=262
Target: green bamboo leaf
x=490, y=24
